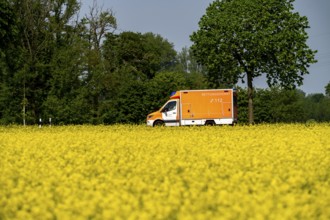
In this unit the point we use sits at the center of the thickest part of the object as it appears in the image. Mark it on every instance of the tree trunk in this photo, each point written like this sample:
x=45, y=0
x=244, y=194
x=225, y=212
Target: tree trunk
x=250, y=97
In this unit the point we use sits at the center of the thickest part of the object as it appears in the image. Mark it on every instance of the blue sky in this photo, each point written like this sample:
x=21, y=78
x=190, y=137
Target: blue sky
x=175, y=20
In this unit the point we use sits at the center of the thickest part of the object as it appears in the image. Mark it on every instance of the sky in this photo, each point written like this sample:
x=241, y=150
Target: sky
x=176, y=20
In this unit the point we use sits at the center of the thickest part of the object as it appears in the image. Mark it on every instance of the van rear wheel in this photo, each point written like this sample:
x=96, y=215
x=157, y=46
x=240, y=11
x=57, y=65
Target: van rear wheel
x=158, y=123
x=209, y=123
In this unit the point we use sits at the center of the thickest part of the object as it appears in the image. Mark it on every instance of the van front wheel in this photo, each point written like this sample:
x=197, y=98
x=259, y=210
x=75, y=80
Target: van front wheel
x=158, y=123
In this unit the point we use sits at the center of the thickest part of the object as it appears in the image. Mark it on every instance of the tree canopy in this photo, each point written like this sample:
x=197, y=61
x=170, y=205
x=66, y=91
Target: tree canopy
x=243, y=39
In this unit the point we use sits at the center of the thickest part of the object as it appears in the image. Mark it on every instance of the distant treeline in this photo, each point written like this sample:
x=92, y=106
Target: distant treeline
x=279, y=105
x=74, y=70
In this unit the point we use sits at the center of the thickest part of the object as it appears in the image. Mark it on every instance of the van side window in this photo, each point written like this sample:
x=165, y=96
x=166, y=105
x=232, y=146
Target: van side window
x=169, y=106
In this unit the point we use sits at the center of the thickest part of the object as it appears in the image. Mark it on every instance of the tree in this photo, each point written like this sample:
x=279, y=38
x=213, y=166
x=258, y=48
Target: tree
x=66, y=100
x=286, y=105
x=8, y=58
x=36, y=50
x=248, y=38
x=160, y=87
x=313, y=106
x=325, y=109
x=136, y=58
x=40, y=27
x=327, y=89
x=146, y=53
x=263, y=102
x=98, y=23
x=242, y=105
x=274, y=105
x=159, y=54
x=195, y=73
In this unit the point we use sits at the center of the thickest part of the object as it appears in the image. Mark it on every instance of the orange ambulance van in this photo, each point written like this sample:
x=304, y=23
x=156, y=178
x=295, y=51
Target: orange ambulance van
x=197, y=107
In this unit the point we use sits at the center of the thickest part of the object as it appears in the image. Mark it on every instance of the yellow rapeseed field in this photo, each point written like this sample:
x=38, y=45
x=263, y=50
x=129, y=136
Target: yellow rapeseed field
x=137, y=172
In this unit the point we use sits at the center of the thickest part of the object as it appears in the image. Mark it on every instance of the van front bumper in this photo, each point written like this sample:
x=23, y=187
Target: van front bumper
x=150, y=123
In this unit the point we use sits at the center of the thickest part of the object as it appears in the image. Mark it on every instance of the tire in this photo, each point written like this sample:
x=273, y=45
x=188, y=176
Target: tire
x=210, y=123
x=159, y=123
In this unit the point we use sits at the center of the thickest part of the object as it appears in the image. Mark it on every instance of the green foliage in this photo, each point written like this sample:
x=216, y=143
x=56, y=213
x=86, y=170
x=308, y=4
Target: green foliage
x=325, y=110
x=318, y=107
x=66, y=100
x=127, y=106
x=327, y=89
x=146, y=53
x=132, y=61
x=41, y=28
x=195, y=73
x=8, y=23
x=242, y=104
x=121, y=97
x=160, y=87
x=286, y=105
x=159, y=54
x=278, y=105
